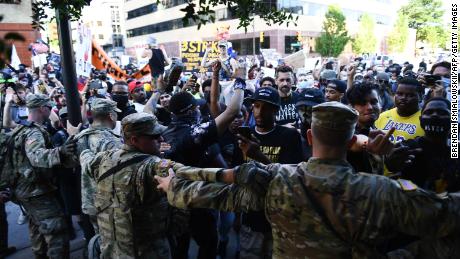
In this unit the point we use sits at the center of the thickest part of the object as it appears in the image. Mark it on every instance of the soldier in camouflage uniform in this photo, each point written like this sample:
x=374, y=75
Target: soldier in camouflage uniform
x=97, y=138
x=322, y=208
x=30, y=178
x=132, y=213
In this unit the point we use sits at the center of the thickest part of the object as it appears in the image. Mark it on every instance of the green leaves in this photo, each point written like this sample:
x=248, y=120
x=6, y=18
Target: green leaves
x=365, y=40
x=335, y=35
x=423, y=14
x=397, y=39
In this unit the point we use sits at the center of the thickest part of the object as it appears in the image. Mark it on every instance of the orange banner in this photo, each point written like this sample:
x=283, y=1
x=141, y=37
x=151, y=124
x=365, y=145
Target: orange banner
x=101, y=61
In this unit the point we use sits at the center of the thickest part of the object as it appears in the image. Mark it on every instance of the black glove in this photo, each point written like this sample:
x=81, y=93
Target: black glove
x=253, y=176
x=69, y=148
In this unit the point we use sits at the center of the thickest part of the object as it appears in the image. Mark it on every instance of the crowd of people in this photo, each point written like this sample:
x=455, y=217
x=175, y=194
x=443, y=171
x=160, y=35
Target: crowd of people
x=285, y=152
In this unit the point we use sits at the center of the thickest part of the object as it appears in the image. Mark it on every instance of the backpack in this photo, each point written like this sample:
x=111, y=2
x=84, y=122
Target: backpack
x=7, y=178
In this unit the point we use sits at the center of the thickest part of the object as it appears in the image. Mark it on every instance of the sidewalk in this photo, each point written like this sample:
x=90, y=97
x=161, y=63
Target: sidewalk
x=19, y=236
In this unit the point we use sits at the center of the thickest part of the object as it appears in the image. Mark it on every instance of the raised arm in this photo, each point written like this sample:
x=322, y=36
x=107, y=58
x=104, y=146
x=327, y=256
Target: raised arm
x=225, y=119
x=204, y=62
x=215, y=93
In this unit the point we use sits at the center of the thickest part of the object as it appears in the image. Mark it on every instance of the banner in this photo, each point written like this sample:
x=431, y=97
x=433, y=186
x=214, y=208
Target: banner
x=101, y=61
x=192, y=53
x=83, y=51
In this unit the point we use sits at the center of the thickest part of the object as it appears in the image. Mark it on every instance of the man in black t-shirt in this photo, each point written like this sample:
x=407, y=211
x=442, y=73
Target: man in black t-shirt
x=287, y=112
x=272, y=144
x=190, y=141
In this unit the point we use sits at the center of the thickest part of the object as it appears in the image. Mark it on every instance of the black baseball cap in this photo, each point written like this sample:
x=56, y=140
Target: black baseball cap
x=310, y=97
x=338, y=85
x=266, y=94
x=182, y=102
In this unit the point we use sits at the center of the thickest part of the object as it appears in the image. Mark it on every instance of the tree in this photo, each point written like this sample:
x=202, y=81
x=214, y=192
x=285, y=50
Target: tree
x=397, y=39
x=199, y=13
x=365, y=40
x=423, y=14
x=335, y=35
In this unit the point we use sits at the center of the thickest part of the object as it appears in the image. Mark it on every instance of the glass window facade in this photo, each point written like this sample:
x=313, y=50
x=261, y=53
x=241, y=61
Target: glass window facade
x=151, y=8
x=244, y=46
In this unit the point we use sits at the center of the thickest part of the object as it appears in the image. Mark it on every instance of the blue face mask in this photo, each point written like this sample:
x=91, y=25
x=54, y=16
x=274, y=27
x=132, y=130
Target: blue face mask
x=304, y=84
x=445, y=82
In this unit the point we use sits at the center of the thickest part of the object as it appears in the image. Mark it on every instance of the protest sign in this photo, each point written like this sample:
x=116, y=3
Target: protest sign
x=192, y=53
x=83, y=51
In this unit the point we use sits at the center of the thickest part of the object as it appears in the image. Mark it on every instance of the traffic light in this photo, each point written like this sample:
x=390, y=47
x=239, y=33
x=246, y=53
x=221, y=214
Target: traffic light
x=261, y=36
x=299, y=36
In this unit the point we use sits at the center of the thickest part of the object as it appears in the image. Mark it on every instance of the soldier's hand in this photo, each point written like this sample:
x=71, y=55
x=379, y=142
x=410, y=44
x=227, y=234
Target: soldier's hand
x=73, y=130
x=69, y=148
x=163, y=182
x=252, y=176
x=379, y=143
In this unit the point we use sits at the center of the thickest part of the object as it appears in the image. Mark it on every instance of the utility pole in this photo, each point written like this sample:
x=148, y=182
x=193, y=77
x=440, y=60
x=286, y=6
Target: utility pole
x=69, y=72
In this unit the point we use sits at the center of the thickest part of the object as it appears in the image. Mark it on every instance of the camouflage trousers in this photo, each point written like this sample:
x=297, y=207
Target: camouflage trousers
x=158, y=250
x=255, y=245
x=47, y=227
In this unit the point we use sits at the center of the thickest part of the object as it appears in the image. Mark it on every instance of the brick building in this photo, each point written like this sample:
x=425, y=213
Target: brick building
x=17, y=18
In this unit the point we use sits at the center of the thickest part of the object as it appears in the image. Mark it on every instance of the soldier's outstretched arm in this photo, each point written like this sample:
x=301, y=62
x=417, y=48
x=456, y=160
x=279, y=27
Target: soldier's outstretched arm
x=184, y=193
x=38, y=154
x=414, y=211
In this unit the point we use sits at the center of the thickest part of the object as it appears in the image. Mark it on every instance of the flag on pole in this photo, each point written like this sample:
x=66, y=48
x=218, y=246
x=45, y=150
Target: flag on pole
x=15, y=61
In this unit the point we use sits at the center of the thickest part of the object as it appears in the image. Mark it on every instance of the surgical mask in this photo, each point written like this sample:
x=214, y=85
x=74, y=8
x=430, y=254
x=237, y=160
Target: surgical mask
x=305, y=84
x=435, y=126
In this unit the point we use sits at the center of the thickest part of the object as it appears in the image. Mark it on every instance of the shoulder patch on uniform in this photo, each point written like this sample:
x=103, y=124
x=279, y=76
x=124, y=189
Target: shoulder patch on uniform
x=407, y=185
x=164, y=163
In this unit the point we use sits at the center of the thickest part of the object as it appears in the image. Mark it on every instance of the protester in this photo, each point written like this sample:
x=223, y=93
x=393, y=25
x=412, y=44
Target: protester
x=405, y=116
x=308, y=98
x=138, y=95
x=384, y=90
x=120, y=95
x=425, y=160
x=287, y=112
x=335, y=90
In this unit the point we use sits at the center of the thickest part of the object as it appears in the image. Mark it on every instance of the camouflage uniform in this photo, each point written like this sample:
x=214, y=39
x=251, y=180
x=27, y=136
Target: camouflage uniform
x=32, y=160
x=322, y=208
x=132, y=213
x=96, y=139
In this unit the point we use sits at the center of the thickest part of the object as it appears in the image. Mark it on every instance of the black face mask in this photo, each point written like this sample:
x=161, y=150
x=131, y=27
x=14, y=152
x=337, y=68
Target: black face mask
x=435, y=126
x=121, y=100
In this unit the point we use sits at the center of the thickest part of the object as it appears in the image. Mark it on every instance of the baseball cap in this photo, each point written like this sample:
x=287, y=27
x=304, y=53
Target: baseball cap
x=338, y=85
x=181, y=102
x=310, y=97
x=266, y=94
x=38, y=100
x=95, y=84
x=102, y=105
x=133, y=85
x=142, y=123
x=334, y=116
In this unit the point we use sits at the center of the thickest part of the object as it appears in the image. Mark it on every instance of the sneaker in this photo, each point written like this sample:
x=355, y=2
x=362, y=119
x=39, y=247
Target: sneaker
x=22, y=219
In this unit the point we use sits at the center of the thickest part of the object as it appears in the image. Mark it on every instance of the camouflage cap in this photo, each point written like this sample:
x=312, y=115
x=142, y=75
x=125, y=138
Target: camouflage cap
x=334, y=116
x=141, y=124
x=38, y=100
x=102, y=105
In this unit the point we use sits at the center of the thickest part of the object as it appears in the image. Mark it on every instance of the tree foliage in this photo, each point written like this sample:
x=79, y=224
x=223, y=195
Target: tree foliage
x=423, y=14
x=365, y=40
x=199, y=13
x=335, y=35
x=398, y=37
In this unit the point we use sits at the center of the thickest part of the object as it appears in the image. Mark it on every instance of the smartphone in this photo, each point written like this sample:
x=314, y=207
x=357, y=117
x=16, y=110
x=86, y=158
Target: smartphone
x=244, y=131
